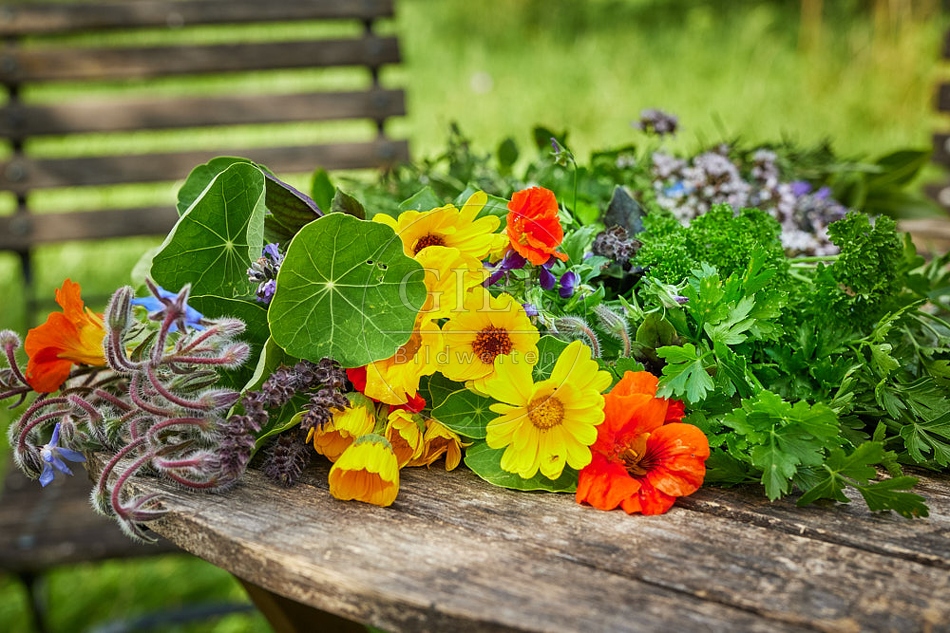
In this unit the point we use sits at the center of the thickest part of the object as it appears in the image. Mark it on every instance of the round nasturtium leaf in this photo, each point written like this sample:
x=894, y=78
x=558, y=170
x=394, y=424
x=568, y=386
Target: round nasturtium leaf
x=214, y=242
x=346, y=291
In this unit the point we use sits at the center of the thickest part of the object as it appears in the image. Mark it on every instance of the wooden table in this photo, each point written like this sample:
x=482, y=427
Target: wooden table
x=457, y=554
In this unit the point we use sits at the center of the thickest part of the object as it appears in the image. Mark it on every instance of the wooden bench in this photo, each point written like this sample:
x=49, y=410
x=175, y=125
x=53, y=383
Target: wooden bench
x=940, y=192
x=145, y=65
x=82, y=75
x=454, y=553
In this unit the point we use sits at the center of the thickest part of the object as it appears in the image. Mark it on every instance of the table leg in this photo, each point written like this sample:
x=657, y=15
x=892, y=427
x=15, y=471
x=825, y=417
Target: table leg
x=288, y=616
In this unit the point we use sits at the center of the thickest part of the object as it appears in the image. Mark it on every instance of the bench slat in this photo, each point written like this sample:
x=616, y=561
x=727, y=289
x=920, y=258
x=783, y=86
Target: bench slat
x=59, y=18
x=103, y=64
x=941, y=152
x=26, y=230
x=118, y=115
x=943, y=97
x=24, y=174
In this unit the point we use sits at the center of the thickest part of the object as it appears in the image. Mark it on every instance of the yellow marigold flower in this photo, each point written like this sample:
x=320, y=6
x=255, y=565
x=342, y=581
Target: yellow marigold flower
x=346, y=426
x=487, y=328
x=406, y=433
x=439, y=440
x=395, y=380
x=543, y=426
x=366, y=471
x=449, y=275
x=448, y=226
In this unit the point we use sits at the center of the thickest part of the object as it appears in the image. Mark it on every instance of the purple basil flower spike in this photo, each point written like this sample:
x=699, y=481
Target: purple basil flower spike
x=823, y=194
x=266, y=291
x=263, y=272
x=163, y=302
x=53, y=455
x=569, y=281
x=271, y=251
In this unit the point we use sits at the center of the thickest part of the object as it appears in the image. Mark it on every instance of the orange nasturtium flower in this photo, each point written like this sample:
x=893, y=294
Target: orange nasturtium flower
x=439, y=440
x=405, y=431
x=71, y=337
x=347, y=425
x=644, y=457
x=534, y=229
x=366, y=471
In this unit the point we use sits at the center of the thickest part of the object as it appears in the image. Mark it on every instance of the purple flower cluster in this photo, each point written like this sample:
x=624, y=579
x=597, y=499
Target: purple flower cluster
x=689, y=188
x=323, y=383
x=615, y=244
x=653, y=121
x=263, y=272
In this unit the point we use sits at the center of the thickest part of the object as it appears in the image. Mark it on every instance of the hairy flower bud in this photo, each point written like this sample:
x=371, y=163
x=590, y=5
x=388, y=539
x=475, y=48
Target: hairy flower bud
x=574, y=328
x=119, y=310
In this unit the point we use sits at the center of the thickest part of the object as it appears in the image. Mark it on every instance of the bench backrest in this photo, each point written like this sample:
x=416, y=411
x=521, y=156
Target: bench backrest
x=118, y=58
x=933, y=234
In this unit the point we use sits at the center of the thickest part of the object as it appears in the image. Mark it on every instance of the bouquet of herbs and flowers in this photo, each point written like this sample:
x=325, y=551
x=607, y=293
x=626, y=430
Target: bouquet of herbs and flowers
x=624, y=331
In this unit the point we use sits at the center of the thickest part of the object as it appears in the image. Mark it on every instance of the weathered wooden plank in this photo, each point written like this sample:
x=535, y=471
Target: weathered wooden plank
x=781, y=576
x=20, y=65
x=454, y=552
x=32, y=19
x=852, y=525
x=408, y=573
x=26, y=174
x=27, y=230
x=19, y=121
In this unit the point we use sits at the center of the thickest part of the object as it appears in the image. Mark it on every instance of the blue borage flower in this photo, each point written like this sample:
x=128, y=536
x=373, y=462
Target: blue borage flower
x=164, y=305
x=53, y=455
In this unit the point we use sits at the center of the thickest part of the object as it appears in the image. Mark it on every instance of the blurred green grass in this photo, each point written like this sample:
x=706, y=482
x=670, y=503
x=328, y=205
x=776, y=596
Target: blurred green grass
x=863, y=75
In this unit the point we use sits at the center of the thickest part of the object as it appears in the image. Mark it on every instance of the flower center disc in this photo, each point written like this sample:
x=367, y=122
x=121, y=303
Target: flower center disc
x=428, y=240
x=491, y=342
x=634, y=456
x=545, y=412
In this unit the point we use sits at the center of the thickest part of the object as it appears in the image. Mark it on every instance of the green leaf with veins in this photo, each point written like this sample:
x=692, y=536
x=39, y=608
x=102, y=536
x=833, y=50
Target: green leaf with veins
x=214, y=242
x=486, y=463
x=346, y=291
x=684, y=373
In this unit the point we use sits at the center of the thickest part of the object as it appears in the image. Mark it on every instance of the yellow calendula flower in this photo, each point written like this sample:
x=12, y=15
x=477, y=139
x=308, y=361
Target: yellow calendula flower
x=439, y=440
x=448, y=226
x=366, y=471
x=449, y=276
x=346, y=426
x=488, y=327
x=547, y=425
x=395, y=380
x=406, y=433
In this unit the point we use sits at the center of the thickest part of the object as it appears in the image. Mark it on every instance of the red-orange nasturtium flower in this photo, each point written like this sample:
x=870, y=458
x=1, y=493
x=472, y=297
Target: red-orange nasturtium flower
x=534, y=229
x=644, y=457
x=73, y=336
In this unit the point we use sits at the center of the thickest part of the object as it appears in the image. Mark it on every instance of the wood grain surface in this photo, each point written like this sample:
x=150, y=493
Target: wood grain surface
x=455, y=553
